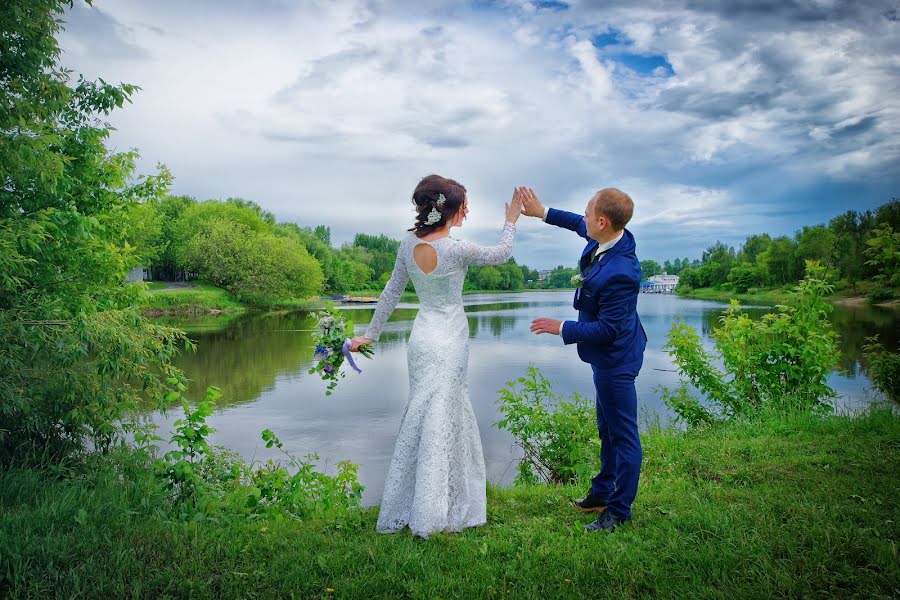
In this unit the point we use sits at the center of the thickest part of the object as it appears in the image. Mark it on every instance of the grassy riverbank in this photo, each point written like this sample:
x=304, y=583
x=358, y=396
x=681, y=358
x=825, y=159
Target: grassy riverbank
x=203, y=298
x=781, y=295
x=781, y=507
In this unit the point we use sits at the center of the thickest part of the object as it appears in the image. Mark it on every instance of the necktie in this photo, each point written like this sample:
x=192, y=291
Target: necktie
x=593, y=261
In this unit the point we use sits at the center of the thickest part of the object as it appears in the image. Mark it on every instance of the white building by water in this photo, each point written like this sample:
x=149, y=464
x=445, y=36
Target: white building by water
x=662, y=284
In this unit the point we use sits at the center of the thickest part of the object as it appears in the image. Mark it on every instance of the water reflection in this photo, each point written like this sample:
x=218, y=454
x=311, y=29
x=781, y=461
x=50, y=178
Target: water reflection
x=261, y=360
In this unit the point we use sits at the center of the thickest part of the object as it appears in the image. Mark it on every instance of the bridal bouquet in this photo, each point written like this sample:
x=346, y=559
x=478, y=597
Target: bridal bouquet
x=333, y=346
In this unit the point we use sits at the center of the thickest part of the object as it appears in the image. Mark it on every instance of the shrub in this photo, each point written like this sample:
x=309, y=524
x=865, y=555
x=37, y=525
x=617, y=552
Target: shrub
x=74, y=355
x=780, y=361
x=203, y=479
x=880, y=294
x=559, y=438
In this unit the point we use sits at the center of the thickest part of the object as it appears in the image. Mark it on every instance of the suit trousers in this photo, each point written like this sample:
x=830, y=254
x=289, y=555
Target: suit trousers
x=620, y=445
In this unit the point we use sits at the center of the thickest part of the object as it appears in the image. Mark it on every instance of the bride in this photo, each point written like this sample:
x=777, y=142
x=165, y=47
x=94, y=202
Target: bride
x=436, y=481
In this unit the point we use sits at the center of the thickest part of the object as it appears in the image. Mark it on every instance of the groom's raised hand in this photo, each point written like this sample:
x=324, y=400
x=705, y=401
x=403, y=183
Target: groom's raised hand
x=532, y=207
x=544, y=325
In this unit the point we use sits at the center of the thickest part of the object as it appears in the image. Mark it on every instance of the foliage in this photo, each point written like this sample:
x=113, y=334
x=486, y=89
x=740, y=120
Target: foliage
x=305, y=491
x=745, y=276
x=842, y=246
x=559, y=278
x=74, y=355
x=258, y=267
x=559, y=438
x=883, y=252
x=779, y=361
x=506, y=277
x=649, y=268
x=201, y=479
x=179, y=468
x=884, y=368
x=788, y=506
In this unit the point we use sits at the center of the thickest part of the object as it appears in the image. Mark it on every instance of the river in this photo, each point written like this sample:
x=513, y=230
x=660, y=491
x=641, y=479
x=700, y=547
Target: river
x=260, y=362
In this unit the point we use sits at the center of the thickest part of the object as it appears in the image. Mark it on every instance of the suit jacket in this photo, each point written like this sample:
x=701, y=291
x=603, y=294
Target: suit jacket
x=608, y=332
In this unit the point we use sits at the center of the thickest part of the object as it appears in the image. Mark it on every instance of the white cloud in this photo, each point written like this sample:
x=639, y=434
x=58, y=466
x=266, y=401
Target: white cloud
x=331, y=112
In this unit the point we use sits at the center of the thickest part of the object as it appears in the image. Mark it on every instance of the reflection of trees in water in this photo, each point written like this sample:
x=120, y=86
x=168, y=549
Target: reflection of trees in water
x=496, y=324
x=246, y=358
x=853, y=324
x=493, y=307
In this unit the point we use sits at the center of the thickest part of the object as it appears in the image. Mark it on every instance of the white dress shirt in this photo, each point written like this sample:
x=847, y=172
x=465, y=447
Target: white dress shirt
x=598, y=250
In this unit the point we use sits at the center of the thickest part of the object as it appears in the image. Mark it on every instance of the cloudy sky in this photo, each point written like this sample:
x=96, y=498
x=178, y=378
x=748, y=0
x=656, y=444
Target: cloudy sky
x=720, y=119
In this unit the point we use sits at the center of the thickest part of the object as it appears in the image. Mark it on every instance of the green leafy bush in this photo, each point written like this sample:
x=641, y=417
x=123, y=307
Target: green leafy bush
x=559, y=438
x=779, y=361
x=204, y=479
x=74, y=355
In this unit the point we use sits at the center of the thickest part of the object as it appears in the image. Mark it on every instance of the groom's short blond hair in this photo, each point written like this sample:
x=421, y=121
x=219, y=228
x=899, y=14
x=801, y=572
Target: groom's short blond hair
x=615, y=205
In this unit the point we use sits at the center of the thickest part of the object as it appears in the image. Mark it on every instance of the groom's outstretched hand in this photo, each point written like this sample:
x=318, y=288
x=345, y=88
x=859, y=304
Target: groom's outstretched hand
x=542, y=325
x=531, y=206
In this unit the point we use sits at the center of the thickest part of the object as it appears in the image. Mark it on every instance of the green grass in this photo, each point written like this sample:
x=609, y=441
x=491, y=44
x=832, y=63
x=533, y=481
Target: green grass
x=772, y=296
x=782, y=507
x=207, y=298
x=763, y=296
x=195, y=300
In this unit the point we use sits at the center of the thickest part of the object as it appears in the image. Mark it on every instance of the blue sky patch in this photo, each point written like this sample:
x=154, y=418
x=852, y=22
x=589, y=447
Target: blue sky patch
x=612, y=37
x=551, y=5
x=644, y=64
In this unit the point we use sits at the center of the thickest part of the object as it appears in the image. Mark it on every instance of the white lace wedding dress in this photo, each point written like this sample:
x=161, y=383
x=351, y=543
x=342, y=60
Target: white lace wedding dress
x=436, y=481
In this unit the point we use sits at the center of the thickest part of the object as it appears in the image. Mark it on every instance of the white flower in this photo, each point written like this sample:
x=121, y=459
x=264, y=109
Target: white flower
x=433, y=217
x=577, y=280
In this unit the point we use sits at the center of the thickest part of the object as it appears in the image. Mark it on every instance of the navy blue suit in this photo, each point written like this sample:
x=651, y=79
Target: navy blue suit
x=609, y=336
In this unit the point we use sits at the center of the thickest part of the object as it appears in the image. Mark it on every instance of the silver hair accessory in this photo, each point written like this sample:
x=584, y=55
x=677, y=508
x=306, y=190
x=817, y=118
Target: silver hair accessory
x=433, y=217
x=441, y=200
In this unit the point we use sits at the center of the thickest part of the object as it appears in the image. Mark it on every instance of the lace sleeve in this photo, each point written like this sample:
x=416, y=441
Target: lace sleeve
x=389, y=297
x=473, y=254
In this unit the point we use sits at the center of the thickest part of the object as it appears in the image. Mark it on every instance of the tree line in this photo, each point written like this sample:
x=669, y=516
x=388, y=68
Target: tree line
x=853, y=247
x=237, y=245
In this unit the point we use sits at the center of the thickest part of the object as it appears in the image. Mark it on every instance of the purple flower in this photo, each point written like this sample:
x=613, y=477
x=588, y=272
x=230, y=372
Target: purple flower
x=328, y=368
x=321, y=352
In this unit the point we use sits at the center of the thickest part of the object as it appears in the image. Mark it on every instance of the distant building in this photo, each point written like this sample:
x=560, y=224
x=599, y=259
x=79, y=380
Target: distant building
x=661, y=284
x=542, y=275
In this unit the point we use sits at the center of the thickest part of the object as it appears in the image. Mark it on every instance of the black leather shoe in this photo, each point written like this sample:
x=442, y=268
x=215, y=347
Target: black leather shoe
x=607, y=522
x=590, y=503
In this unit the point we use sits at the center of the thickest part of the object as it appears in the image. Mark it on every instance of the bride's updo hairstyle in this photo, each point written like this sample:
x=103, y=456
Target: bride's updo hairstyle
x=426, y=198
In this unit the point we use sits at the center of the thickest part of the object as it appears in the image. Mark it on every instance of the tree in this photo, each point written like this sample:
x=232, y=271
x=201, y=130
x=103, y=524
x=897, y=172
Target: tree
x=753, y=247
x=323, y=233
x=883, y=252
x=717, y=260
x=511, y=277
x=745, y=276
x=75, y=355
x=780, y=261
x=489, y=278
x=815, y=243
x=650, y=268
x=848, y=249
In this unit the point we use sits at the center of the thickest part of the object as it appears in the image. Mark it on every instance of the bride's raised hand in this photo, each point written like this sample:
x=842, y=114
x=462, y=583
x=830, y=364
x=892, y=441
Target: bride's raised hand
x=513, y=209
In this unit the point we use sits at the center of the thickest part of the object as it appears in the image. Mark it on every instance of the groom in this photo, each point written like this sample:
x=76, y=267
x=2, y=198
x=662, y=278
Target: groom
x=609, y=336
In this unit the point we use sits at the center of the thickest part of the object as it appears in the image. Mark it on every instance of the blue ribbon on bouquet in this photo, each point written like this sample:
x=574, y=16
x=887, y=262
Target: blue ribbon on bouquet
x=347, y=354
